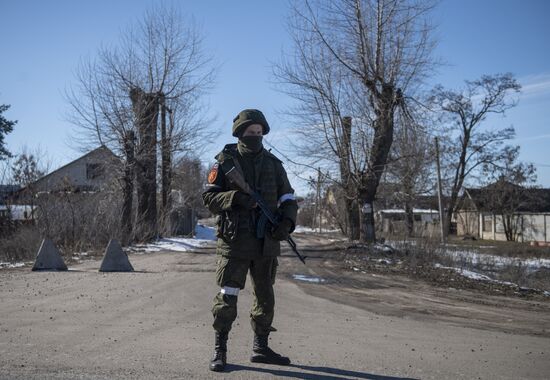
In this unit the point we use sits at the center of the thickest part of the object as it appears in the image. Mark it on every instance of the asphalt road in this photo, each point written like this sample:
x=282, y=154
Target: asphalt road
x=155, y=323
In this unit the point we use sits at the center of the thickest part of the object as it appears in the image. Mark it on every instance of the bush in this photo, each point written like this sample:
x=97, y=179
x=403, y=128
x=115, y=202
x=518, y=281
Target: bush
x=79, y=221
x=21, y=245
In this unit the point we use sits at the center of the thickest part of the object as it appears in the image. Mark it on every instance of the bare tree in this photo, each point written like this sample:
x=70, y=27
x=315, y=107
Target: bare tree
x=467, y=146
x=358, y=58
x=509, y=190
x=410, y=165
x=157, y=67
x=189, y=174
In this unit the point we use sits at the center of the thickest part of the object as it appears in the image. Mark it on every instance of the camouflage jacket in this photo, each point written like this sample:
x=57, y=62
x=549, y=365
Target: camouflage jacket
x=237, y=226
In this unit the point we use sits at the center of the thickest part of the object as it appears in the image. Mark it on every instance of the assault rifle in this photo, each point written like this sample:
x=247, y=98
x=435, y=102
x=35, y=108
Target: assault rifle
x=237, y=179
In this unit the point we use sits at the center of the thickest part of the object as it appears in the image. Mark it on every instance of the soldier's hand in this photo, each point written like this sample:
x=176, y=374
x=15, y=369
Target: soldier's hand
x=282, y=231
x=243, y=200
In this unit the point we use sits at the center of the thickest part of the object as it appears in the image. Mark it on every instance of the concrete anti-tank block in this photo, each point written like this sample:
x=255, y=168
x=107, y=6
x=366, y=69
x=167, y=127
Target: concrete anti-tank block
x=49, y=257
x=115, y=259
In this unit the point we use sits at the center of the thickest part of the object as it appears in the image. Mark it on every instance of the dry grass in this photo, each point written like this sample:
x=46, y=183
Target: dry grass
x=20, y=245
x=503, y=248
x=428, y=260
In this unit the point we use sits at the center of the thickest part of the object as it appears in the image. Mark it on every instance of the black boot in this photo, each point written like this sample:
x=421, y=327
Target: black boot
x=263, y=354
x=220, y=353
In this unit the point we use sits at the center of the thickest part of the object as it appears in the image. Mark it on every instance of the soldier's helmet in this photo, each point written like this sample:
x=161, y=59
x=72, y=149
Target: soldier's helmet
x=248, y=117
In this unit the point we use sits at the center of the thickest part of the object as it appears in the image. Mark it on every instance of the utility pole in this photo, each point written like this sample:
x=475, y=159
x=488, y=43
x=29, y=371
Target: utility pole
x=439, y=192
x=319, y=197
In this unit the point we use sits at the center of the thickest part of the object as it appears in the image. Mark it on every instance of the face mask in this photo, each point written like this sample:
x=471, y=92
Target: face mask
x=251, y=144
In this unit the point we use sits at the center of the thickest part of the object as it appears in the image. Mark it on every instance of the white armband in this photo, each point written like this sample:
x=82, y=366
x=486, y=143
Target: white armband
x=230, y=291
x=286, y=197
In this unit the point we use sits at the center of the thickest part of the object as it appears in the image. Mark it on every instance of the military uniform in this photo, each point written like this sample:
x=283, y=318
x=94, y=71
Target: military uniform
x=238, y=245
x=243, y=245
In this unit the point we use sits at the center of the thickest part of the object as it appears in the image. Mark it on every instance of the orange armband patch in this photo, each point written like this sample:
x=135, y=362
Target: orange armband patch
x=213, y=173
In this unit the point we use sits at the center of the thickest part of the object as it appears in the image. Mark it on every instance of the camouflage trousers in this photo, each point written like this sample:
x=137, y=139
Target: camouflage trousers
x=230, y=276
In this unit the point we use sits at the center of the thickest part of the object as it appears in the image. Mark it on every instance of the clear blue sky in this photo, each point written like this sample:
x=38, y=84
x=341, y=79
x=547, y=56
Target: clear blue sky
x=42, y=42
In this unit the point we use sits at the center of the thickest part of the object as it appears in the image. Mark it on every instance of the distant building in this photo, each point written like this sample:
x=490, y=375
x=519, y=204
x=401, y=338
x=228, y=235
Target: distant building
x=425, y=221
x=10, y=211
x=19, y=213
x=91, y=172
x=531, y=217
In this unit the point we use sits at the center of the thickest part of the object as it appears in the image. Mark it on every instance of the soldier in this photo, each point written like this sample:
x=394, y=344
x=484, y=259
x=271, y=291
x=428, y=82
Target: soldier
x=239, y=246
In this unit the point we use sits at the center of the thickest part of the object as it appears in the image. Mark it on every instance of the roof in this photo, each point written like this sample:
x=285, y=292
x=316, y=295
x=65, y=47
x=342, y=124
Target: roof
x=51, y=180
x=526, y=199
x=90, y=153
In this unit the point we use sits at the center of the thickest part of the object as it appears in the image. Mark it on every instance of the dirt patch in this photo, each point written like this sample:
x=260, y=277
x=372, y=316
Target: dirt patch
x=385, y=285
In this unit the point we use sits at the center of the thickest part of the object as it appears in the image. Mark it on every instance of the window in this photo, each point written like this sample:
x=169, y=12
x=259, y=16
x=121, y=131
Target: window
x=487, y=223
x=417, y=217
x=94, y=171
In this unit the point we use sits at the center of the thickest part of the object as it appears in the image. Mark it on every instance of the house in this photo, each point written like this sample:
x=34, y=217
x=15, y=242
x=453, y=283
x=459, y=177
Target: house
x=91, y=172
x=425, y=221
x=389, y=213
x=503, y=208
x=13, y=212
x=18, y=213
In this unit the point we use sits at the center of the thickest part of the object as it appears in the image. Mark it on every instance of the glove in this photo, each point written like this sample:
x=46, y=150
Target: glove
x=243, y=200
x=282, y=231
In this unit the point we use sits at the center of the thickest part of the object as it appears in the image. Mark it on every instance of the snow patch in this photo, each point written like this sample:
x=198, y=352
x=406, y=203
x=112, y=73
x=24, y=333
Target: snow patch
x=11, y=265
x=467, y=273
x=471, y=256
x=171, y=244
x=304, y=229
x=488, y=260
x=303, y=277
x=383, y=247
x=203, y=237
x=477, y=276
x=203, y=232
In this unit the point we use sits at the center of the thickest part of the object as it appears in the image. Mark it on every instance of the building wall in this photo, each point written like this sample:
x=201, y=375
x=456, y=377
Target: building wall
x=467, y=223
x=424, y=223
x=534, y=227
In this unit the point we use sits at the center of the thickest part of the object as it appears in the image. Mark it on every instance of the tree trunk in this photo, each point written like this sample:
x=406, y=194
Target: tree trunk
x=146, y=114
x=128, y=187
x=409, y=218
x=508, y=224
x=366, y=217
x=165, y=157
x=352, y=219
x=450, y=211
x=351, y=211
x=165, y=166
x=383, y=139
x=458, y=181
